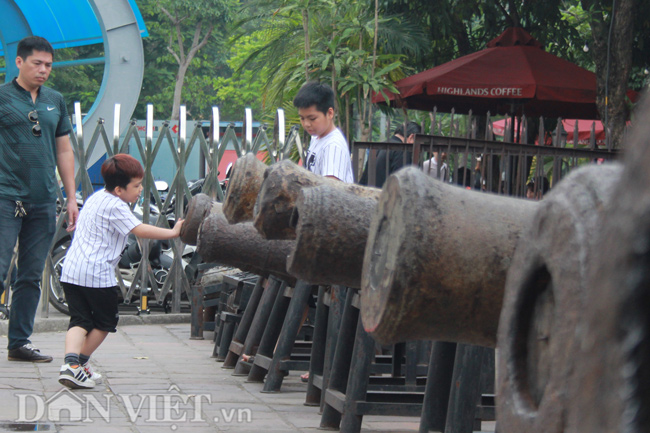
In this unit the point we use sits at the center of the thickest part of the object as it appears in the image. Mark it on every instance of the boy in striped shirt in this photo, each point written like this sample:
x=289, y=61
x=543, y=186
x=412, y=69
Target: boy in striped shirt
x=88, y=274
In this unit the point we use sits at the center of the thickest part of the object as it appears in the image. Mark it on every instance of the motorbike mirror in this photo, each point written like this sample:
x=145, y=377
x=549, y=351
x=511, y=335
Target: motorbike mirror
x=161, y=185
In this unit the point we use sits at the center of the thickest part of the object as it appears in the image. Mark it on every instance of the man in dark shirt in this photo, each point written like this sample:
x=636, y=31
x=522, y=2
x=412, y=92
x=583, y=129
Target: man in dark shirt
x=34, y=142
x=396, y=158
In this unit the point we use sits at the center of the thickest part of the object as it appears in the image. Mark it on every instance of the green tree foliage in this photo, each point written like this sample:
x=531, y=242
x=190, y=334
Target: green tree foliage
x=612, y=33
x=244, y=88
x=331, y=41
x=275, y=45
x=182, y=31
x=460, y=27
x=564, y=27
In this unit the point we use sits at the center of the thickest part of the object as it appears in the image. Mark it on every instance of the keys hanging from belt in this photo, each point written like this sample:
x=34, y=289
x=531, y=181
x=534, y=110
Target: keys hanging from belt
x=20, y=210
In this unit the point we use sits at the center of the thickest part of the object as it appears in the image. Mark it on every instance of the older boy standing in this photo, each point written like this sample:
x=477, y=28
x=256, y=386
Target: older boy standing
x=328, y=154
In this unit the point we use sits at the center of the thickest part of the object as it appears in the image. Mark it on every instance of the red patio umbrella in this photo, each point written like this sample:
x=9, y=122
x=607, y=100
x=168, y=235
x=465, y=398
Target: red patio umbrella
x=513, y=75
x=584, y=130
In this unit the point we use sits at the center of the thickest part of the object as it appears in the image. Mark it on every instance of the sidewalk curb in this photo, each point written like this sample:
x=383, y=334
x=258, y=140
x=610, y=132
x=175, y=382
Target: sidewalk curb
x=60, y=324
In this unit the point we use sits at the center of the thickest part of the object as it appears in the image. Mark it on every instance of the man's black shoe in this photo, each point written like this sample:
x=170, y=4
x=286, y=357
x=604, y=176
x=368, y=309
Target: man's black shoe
x=27, y=353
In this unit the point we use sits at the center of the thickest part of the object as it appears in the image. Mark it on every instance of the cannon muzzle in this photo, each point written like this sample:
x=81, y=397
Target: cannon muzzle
x=331, y=233
x=243, y=186
x=435, y=262
x=546, y=293
x=198, y=209
x=282, y=184
x=610, y=390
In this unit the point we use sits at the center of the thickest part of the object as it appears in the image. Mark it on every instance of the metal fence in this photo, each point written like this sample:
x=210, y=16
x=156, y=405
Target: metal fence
x=502, y=167
x=144, y=287
x=488, y=164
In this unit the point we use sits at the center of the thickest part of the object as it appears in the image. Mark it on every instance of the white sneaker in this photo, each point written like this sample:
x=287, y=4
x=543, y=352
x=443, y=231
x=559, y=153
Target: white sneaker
x=75, y=378
x=96, y=377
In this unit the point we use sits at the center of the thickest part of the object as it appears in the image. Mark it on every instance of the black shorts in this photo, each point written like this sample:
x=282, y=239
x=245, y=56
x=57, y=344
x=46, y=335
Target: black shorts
x=92, y=307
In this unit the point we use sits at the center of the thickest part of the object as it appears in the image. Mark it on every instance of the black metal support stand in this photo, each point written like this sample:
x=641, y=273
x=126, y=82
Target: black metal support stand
x=338, y=377
x=270, y=335
x=282, y=361
x=256, y=330
x=236, y=345
x=436, y=397
x=466, y=390
x=329, y=310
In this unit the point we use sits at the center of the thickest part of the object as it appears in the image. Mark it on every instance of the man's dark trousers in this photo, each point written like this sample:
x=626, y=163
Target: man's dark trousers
x=34, y=232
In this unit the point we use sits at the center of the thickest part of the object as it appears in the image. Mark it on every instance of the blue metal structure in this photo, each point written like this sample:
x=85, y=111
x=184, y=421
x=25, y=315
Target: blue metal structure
x=117, y=24
x=65, y=23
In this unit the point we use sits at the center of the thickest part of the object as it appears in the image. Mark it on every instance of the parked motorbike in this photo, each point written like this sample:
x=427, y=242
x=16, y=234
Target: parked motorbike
x=160, y=255
x=127, y=266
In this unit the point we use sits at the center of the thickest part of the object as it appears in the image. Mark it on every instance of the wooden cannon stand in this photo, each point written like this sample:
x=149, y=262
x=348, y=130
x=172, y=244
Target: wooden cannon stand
x=353, y=386
x=228, y=289
x=347, y=379
x=269, y=333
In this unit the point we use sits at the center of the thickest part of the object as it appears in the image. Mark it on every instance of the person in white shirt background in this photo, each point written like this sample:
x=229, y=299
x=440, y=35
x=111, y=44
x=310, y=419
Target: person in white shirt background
x=430, y=167
x=328, y=154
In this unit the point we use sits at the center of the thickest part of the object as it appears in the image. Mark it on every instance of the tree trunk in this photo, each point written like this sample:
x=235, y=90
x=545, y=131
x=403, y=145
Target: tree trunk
x=184, y=60
x=178, y=89
x=461, y=37
x=305, y=27
x=612, y=73
x=366, y=120
x=337, y=108
x=347, y=117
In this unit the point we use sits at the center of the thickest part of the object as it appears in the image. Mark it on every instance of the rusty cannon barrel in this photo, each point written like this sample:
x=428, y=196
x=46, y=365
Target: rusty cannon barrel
x=436, y=259
x=547, y=290
x=243, y=186
x=241, y=246
x=331, y=232
x=198, y=209
x=611, y=387
x=282, y=183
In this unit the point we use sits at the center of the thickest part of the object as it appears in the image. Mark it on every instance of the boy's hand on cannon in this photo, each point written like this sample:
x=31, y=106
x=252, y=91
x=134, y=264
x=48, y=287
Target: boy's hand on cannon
x=177, y=227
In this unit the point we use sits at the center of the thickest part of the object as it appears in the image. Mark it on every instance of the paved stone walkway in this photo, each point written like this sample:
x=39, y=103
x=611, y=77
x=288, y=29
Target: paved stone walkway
x=156, y=379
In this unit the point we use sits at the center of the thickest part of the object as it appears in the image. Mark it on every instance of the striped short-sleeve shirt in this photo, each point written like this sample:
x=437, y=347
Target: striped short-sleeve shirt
x=104, y=224
x=330, y=156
